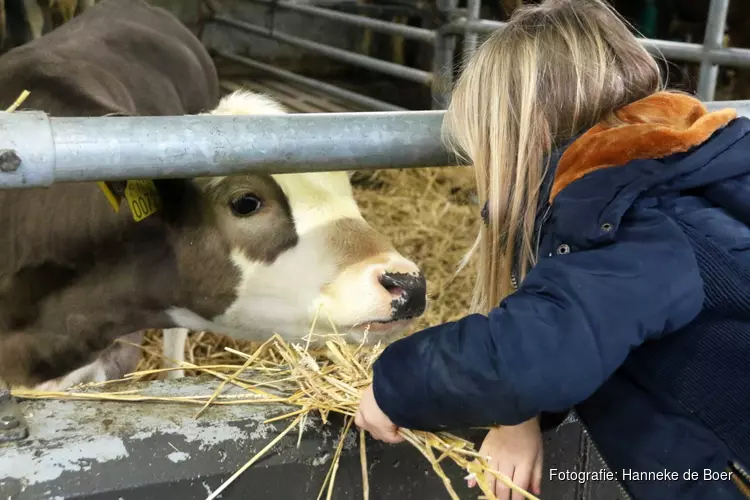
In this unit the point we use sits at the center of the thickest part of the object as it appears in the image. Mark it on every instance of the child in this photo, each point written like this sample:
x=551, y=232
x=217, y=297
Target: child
x=613, y=270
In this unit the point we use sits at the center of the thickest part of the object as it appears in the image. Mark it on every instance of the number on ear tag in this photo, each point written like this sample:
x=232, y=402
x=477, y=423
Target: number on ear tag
x=142, y=198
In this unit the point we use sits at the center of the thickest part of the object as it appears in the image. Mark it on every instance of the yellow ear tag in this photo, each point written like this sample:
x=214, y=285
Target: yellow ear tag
x=142, y=198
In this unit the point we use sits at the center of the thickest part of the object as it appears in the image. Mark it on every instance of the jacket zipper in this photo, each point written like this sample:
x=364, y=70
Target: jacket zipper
x=741, y=478
x=547, y=210
x=620, y=487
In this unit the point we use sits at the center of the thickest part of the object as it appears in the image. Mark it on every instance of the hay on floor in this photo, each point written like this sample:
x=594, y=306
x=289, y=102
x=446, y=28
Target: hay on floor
x=330, y=382
x=430, y=215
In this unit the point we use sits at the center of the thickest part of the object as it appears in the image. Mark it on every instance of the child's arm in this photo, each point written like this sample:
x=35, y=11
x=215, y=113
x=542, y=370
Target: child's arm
x=551, y=344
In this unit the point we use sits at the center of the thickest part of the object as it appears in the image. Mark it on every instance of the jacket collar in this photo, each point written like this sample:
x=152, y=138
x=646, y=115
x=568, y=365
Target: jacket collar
x=657, y=145
x=657, y=126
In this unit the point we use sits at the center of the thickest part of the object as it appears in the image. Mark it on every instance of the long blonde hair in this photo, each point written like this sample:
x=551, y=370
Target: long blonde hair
x=555, y=70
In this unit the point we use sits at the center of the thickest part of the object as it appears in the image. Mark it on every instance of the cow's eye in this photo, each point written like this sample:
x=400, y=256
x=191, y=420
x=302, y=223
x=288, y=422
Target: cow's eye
x=246, y=204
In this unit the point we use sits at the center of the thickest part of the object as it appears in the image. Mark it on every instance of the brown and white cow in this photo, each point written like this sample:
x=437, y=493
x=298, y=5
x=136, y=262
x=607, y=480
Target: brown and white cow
x=246, y=255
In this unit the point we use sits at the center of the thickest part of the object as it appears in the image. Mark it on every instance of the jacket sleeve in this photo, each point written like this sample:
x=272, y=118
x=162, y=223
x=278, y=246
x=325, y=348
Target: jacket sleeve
x=552, y=343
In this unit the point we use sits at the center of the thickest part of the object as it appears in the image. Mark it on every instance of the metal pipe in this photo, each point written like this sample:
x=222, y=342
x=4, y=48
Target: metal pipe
x=370, y=63
x=713, y=38
x=443, y=59
x=312, y=83
x=405, y=31
x=54, y=150
x=689, y=52
x=471, y=38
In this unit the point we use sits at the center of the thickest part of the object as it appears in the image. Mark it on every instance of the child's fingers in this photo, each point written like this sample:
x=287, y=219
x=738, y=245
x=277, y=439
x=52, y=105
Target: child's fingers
x=536, y=475
x=522, y=479
x=502, y=492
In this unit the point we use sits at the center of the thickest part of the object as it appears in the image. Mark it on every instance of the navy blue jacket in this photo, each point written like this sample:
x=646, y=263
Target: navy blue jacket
x=637, y=314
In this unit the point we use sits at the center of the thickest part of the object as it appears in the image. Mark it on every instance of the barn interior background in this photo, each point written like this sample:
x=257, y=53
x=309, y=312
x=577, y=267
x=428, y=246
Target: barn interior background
x=337, y=56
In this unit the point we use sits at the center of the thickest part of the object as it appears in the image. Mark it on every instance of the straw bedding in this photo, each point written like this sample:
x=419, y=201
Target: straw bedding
x=319, y=384
x=430, y=215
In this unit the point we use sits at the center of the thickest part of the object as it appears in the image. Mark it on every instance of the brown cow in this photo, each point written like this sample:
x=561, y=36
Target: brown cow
x=246, y=255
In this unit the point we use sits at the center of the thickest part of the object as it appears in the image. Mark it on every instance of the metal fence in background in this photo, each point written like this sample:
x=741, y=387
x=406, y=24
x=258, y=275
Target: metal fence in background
x=466, y=23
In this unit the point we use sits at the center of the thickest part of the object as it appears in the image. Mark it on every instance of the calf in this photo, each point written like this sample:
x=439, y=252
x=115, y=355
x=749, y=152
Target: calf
x=246, y=255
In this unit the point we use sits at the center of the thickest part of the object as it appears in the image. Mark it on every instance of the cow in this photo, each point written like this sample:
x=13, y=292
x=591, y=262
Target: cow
x=246, y=256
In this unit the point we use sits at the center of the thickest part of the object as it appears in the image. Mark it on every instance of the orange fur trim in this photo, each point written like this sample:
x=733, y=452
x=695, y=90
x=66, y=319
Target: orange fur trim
x=654, y=127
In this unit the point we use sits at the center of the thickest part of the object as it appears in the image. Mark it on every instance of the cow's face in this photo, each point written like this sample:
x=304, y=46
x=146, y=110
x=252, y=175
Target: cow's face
x=301, y=249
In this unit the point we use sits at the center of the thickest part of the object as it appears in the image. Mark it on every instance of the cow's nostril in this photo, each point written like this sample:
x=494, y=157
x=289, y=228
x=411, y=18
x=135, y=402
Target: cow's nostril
x=409, y=294
x=391, y=283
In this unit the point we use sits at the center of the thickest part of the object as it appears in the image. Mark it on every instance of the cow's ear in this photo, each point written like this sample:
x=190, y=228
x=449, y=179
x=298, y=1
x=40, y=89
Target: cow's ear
x=173, y=189
x=177, y=198
x=350, y=173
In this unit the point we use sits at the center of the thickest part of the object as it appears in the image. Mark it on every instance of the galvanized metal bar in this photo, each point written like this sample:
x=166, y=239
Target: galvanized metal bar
x=712, y=40
x=473, y=8
x=681, y=51
x=370, y=63
x=405, y=31
x=50, y=150
x=117, y=148
x=312, y=83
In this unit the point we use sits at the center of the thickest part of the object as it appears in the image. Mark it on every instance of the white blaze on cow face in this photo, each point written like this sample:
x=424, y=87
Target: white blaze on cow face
x=336, y=264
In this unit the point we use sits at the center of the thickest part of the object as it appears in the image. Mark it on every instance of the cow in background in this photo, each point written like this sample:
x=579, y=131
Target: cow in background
x=245, y=256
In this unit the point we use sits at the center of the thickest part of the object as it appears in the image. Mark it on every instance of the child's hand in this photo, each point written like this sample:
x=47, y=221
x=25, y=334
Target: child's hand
x=516, y=452
x=371, y=418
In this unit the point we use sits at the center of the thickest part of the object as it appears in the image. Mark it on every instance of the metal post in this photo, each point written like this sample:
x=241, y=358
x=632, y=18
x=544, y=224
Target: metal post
x=471, y=37
x=717, y=18
x=370, y=63
x=445, y=49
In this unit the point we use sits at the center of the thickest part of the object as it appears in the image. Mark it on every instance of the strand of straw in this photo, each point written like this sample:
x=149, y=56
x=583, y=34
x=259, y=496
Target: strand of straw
x=17, y=103
x=363, y=462
x=250, y=462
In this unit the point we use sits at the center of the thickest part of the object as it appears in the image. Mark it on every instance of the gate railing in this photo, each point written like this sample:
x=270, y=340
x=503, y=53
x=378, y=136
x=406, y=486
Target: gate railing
x=37, y=151
x=466, y=22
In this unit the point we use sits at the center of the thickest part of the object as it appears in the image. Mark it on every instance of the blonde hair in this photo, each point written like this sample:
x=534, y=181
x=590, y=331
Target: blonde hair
x=555, y=70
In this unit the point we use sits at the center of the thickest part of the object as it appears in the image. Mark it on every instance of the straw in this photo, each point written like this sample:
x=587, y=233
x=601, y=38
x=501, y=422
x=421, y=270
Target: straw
x=327, y=383
x=17, y=103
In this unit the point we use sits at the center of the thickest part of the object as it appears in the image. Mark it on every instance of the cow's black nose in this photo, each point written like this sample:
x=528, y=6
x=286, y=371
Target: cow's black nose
x=409, y=293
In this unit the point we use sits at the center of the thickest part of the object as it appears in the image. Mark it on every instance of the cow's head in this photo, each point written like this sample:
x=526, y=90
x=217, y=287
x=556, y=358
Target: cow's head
x=295, y=245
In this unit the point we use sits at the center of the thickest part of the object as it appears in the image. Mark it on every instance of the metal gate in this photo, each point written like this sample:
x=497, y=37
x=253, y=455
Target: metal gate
x=466, y=24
